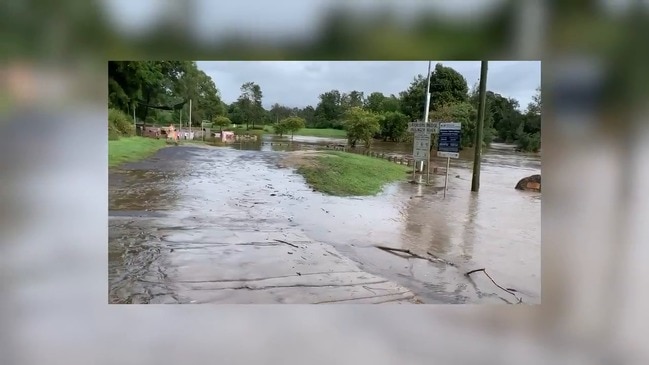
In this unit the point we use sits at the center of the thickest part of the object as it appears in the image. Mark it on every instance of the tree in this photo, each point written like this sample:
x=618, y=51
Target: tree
x=353, y=99
x=308, y=114
x=250, y=104
x=291, y=124
x=280, y=128
x=361, y=125
x=329, y=111
x=447, y=86
x=394, y=126
x=221, y=122
x=159, y=90
x=463, y=113
x=374, y=102
x=413, y=99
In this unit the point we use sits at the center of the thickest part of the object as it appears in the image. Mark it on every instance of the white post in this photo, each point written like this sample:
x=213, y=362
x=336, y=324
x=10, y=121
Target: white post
x=448, y=164
x=190, y=118
x=421, y=167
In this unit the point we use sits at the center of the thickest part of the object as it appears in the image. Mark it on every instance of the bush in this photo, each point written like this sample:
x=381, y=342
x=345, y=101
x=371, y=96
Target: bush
x=529, y=142
x=113, y=135
x=257, y=128
x=120, y=123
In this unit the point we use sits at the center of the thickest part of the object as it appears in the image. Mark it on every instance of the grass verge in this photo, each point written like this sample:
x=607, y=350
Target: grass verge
x=348, y=174
x=127, y=149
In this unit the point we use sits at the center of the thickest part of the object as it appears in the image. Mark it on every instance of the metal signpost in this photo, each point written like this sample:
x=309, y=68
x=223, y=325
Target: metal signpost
x=421, y=143
x=448, y=144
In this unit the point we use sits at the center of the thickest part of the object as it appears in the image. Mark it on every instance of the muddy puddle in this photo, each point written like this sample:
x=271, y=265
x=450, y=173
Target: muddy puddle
x=227, y=225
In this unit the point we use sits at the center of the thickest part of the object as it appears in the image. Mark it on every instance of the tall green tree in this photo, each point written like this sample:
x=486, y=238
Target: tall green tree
x=361, y=125
x=221, y=122
x=374, y=102
x=291, y=124
x=394, y=126
x=250, y=103
x=329, y=111
x=447, y=86
x=413, y=99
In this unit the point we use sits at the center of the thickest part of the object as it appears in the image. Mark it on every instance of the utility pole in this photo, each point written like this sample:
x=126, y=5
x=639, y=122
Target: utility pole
x=190, y=117
x=475, y=182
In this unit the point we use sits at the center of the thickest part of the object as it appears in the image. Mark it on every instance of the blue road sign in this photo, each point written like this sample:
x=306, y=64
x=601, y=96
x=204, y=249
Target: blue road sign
x=449, y=138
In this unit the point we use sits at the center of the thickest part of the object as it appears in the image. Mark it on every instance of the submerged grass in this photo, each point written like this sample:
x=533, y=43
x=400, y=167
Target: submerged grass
x=127, y=149
x=348, y=174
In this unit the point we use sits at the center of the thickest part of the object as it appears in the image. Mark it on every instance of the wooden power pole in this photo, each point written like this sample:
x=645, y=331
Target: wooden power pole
x=475, y=182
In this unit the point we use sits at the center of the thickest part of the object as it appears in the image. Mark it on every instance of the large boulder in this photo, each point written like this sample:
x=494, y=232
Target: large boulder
x=530, y=183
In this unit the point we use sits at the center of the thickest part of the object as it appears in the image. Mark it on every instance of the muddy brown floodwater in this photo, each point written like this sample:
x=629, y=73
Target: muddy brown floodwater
x=229, y=225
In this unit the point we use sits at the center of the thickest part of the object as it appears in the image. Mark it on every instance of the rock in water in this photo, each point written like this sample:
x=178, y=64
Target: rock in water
x=530, y=183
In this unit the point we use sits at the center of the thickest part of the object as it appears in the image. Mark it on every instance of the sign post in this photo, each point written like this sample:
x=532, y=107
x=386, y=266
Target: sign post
x=448, y=145
x=421, y=142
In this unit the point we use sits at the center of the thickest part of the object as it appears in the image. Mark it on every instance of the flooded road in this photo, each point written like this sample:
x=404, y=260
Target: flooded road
x=228, y=225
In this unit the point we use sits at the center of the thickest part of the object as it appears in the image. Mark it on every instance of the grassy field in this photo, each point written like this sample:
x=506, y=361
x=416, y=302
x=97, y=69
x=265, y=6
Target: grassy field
x=348, y=174
x=327, y=133
x=128, y=149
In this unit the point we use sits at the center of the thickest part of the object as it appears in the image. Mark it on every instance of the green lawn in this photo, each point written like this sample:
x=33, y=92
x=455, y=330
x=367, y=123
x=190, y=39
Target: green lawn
x=128, y=149
x=315, y=132
x=348, y=174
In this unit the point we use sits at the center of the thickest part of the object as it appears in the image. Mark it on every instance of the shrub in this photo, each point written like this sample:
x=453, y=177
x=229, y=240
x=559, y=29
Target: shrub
x=113, y=134
x=120, y=123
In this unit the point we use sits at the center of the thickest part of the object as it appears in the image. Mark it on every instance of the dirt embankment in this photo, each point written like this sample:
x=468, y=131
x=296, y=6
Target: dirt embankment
x=297, y=159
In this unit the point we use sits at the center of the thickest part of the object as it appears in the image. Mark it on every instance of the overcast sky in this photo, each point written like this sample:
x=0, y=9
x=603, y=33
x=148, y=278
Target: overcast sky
x=299, y=83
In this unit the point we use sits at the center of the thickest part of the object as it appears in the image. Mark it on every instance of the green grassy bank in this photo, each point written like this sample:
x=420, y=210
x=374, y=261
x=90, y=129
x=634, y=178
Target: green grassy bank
x=326, y=133
x=127, y=149
x=348, y=174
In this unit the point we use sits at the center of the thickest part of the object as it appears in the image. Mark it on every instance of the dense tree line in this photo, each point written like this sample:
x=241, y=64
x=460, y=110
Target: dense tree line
x=170, y=84
x=451, y=100
x=159, y=91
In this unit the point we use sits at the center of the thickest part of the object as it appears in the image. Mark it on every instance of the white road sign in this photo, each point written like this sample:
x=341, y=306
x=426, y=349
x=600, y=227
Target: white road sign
x=451, y=126
x=448, y=154
x=421, y=146
x=421, y=127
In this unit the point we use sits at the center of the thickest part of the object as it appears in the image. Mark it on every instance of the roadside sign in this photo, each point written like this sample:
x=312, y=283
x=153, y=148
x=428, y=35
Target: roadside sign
x=421, y=127
x=421, y=146
x=421, y=143
x=448, y=154
x=448, y=143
